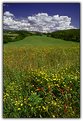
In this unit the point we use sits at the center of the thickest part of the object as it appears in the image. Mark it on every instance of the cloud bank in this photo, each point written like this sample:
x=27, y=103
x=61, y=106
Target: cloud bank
x=40, y=22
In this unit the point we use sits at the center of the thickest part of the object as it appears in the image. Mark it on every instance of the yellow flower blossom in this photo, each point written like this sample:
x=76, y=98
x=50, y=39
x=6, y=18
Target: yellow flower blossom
x=19, y=108
x=21, y=104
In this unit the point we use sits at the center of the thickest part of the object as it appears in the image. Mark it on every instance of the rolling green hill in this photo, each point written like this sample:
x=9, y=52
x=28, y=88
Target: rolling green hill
x=67, y=35
x=41, y=41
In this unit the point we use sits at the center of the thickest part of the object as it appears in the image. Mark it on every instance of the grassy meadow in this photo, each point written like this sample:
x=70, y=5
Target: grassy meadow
x=41, y=78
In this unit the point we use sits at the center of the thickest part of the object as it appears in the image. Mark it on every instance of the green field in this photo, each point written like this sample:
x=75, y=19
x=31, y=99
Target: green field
x=41, y=78
x=41, y=41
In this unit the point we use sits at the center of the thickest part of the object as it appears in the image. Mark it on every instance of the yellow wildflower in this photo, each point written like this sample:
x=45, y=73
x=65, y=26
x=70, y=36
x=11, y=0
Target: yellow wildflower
x=19, y=108
x=21, y=104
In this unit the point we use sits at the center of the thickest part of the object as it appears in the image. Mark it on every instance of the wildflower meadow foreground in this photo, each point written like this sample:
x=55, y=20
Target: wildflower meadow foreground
x=41, y=82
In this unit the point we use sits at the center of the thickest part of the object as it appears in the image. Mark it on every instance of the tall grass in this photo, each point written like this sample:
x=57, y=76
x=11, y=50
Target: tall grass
x=41, y=82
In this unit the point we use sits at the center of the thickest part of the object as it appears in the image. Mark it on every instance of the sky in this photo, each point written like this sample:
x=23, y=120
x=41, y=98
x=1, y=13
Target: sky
x=42, y=17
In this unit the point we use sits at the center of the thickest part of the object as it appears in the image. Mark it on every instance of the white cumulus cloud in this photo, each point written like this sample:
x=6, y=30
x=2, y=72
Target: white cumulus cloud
x=7, y=13
x=41, y=22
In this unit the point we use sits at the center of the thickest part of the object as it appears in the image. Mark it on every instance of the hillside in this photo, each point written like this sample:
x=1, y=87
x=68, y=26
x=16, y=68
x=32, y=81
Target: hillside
x=68, y=35
x=41, y=41
x=41, y=77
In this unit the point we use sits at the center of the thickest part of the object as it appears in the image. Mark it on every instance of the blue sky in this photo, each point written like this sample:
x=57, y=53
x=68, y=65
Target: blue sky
x=23, y=10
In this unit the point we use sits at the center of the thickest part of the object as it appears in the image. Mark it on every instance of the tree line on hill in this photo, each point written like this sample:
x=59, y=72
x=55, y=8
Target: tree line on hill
x=68, y=35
